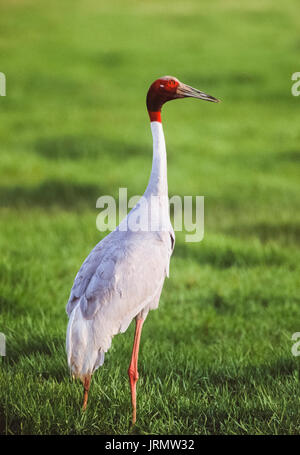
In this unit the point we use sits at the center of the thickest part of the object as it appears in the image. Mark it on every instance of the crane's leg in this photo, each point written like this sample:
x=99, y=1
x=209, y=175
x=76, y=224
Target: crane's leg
x=132, y=370
x=86, y=385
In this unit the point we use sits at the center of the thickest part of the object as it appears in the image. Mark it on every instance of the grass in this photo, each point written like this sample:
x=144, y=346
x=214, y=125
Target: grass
x=216, y=356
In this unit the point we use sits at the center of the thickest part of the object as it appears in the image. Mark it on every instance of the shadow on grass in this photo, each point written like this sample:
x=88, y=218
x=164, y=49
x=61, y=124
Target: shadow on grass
x=252, y=375
x=226, y=257
x=8, y=306
x=289, y=155
x=46, y=353
x=9, y=424
x=36, y=344
x=265, y=232
x=91, y=147
x=237, y=378
x=112, y=59
x=52, y=193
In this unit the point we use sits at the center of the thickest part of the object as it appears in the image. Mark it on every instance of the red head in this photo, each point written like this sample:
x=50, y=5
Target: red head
x=169, y=88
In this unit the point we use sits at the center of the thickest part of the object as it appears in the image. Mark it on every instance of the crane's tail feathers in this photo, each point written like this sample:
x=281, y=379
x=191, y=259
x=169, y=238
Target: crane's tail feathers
x=84, y=357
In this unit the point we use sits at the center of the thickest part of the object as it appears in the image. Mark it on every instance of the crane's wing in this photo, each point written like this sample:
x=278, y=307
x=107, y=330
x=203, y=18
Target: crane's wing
x=125, y=270
x=96, y=259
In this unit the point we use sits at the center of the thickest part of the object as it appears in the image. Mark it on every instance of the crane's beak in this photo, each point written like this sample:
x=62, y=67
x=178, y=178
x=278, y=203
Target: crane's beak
x=185, y=91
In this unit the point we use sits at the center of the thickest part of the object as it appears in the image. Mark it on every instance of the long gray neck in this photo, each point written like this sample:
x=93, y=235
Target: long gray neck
x=158, y=183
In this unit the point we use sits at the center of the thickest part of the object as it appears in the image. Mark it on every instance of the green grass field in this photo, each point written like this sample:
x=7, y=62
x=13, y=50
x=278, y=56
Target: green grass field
x=216, y=357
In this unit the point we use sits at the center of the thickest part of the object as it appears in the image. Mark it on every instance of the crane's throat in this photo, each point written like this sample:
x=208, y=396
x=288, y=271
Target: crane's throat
x=155, y=116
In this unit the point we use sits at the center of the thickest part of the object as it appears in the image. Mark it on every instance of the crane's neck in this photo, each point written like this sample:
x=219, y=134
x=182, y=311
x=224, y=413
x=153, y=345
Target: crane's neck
x=158, y=183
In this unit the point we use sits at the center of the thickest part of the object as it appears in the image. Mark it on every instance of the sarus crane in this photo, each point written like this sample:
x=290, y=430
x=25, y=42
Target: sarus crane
x=123, y=276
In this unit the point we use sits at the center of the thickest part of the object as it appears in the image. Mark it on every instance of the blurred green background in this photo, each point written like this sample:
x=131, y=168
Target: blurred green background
x=216, y=357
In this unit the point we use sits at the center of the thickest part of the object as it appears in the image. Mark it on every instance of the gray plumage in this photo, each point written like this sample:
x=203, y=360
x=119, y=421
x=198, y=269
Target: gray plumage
x=123, y=275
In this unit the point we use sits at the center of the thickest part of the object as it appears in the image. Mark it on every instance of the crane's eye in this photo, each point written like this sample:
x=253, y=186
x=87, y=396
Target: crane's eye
x=168, y=85
x=171, y=84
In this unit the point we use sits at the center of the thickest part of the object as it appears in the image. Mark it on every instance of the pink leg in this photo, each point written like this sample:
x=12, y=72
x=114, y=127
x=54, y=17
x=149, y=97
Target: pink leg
x=86, y=386
x=132, y=370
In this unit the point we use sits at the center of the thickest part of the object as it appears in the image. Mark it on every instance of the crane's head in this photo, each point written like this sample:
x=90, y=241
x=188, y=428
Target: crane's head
x=169, y=88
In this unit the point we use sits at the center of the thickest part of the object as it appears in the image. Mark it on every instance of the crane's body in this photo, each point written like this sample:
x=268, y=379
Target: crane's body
x=123, y=276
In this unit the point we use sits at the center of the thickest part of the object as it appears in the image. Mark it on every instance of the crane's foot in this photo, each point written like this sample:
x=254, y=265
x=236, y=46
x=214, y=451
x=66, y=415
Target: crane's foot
x=132, y=370
x=133, y=377
x=86, y=385
x=133, y=418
